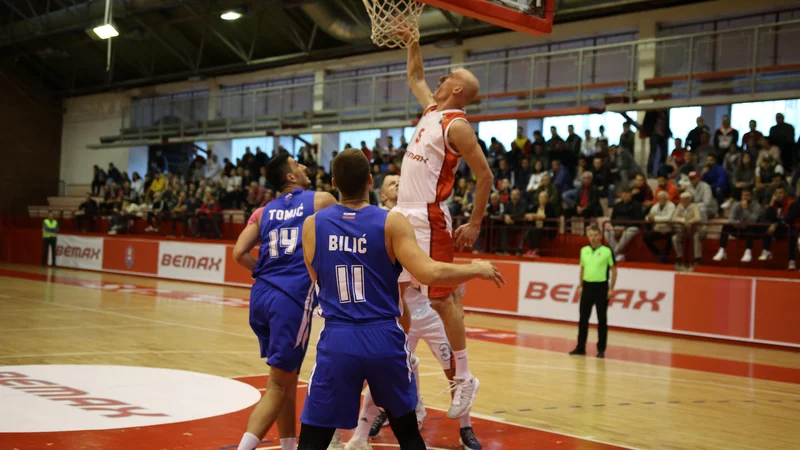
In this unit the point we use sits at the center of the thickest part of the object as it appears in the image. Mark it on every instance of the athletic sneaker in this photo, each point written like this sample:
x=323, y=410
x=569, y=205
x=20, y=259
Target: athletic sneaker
x=468, y=439
x=465, y=392
x=421, y=413
x=381, y=420
x=792, y=265
x=336, y=442
x=358, y=445
x=748, y=256
x=720, y=255
x=765, y=255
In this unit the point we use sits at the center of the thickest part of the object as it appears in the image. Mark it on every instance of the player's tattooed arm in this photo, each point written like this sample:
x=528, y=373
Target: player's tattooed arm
x=322, y=200
x=310, y=245
x=244, y=244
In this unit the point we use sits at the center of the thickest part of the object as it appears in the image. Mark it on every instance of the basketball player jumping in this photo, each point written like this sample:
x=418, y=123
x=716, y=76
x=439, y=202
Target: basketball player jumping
x=442, y=137
x=280, y=300
x=354, y=253
x=426, y=325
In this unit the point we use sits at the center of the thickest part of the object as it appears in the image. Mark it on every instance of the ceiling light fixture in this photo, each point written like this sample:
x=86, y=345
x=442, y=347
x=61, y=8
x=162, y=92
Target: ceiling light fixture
x=231, y=15
x=106, y=31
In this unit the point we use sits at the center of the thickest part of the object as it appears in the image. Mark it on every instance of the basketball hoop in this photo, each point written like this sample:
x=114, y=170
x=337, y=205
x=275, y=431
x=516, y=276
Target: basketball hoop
x=395, y=23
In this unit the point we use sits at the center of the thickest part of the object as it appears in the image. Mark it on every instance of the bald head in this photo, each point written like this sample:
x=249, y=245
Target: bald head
x=457, y=89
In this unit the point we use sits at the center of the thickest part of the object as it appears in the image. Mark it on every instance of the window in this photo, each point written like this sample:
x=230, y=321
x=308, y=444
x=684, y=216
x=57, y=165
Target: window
x=238, y=146
x=683, y=120
x=354, y=138
x=764, y=115
x=611, y=121
x=396, y=133
x=504, y=131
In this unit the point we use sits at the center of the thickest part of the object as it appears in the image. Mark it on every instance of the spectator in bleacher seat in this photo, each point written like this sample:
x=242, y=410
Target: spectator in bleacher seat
x=690, y=165
x=495, y=210
x=209, y=216
x=742, y=223
x=602, y=180
x=589, y=146
x=234, y=192
x=574, y=142
x=688, y=218
x=554, y=138
x=481, y=144
x=693, y=140
x=744, y=177
x=677, y=158
x=562, y=179
x=536, y=177
x=751, y=139
x=129, y=194
x=522, y=142
x=781, y=216
x=246, y=180
x=642, y=192
x=404, y=145
x=109, y=200
x=704, y=149
x=725, y=136
x=539, y=154
x=602, y=137
x=98, y=180
x=538, y=138
x=514, y=155
x=765, y=177
x=262, y=175
x=255, y=198
x=158, y=185
x=158, y=212
x=627, y=140
x=459, y=192
x=585, y=201
x=366, y=150
x=622, y=165
x=505, y=190
x=766, y=148
x=622, y=231
x=794, y=184
x=515, y=211
x=125, y=178
x=196, y=171
x=50, y=230
x=546, y=185
x=779, y=182
x=378, y=150
x=732, y=161
x=602, y=150
x=667, y=186
x=702, y=195
x=656, y=127
x=121, y=217
x=468, y=202
x=496, y=152
x=524, y=174
x=717, y=178
x=87, y=212
x=213, y=171
x=137, y=184
x=113, y=174
x=781, y=135
x=180, y=213
x=542, y=211
x=659, y=217
x=503, y=172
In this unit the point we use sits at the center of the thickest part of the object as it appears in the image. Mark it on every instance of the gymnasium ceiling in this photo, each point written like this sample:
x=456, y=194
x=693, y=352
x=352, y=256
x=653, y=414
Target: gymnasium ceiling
x=173, y=40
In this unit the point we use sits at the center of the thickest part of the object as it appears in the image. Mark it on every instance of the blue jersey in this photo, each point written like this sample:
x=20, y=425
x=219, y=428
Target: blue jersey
x=357, y=281
x=280, y=258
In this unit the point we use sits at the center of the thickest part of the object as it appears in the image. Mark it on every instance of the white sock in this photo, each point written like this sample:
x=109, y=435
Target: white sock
x=368, y=414
x=249, y=442
x=289, y=443
x=462, y=367
x=464, y=422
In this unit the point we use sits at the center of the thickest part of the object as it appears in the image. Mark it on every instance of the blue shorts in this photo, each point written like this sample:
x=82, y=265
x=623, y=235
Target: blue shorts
x=348, y=354
x=282, y=326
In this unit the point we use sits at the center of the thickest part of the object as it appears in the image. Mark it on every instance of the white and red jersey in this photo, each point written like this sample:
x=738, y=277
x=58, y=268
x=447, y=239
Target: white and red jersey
x=430, y=163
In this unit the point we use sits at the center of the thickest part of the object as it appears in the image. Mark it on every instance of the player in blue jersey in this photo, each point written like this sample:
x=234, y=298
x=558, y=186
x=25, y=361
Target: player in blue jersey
x=280, y=300
x=354, y=253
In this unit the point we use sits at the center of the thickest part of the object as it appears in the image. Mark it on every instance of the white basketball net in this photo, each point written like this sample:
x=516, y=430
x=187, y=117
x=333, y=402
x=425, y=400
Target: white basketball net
x=395, y=23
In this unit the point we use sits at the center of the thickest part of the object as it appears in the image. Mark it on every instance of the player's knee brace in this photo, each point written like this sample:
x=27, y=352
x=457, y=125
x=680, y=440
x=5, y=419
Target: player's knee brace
x=406, y=431
x=314, y=438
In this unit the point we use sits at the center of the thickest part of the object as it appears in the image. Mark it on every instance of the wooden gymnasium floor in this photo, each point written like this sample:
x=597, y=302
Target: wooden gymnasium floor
x=650, y=392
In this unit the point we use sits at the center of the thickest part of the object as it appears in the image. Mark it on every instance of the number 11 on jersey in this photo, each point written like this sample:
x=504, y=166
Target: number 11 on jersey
x=350, y=282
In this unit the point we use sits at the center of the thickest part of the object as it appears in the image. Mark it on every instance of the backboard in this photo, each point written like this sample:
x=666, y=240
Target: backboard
x=526, y=16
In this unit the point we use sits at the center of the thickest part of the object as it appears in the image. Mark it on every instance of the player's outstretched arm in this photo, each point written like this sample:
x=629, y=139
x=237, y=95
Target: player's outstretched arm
x=462, y=137
x=416, y=76
x=322, y=200
x=404, y=246
x=247, y=240
x=310, y=245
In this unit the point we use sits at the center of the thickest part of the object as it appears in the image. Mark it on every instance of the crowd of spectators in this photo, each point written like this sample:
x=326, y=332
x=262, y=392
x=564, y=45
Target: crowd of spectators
x=753, y=181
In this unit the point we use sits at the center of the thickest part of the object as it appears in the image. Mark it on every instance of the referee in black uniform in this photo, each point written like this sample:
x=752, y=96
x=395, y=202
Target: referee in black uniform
x=597, y=261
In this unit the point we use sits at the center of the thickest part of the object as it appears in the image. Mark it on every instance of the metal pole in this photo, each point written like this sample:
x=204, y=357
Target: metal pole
x=632, y=85
x=374, y=93
x=580, y=75
x=280, y=113
x=691, y=66
x=341, y=100
x=755, y=61
x=253, y=113
x=532, y=91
